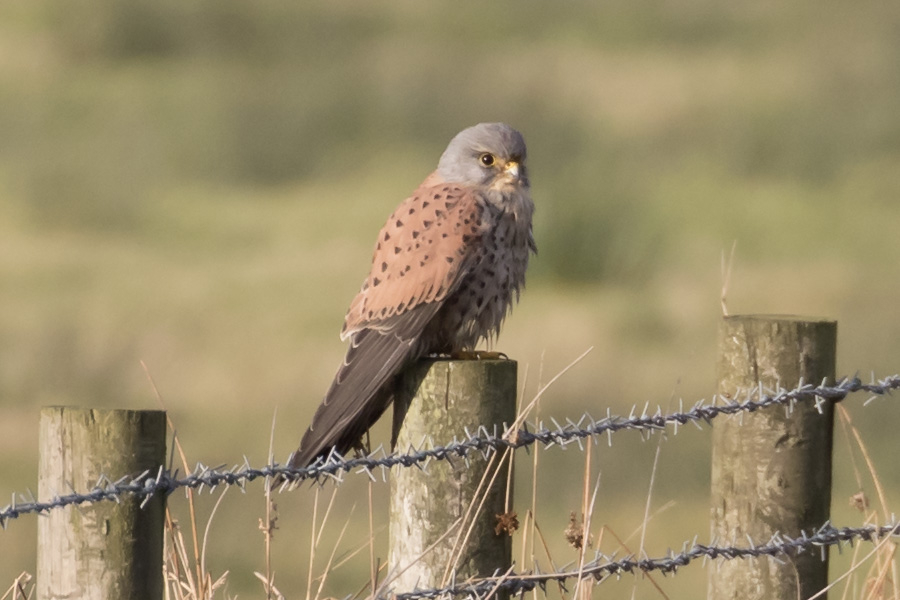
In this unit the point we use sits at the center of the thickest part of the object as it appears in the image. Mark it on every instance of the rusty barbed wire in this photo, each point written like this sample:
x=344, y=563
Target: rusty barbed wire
x=603, y=566
x=480, y=441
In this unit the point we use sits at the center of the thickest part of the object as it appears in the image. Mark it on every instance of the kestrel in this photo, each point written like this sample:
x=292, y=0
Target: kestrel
x=447, y=265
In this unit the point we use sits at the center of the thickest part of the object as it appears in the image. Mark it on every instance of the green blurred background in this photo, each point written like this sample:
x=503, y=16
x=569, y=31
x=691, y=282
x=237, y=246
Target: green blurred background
x=197, y=185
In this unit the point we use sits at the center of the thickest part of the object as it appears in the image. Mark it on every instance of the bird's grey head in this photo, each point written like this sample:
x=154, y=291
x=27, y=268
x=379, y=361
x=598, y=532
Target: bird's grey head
x=487, y=154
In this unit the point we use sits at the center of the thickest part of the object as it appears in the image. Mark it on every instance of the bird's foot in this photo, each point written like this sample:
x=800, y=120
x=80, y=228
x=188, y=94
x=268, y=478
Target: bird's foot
x=363, y=446
x=478, y=355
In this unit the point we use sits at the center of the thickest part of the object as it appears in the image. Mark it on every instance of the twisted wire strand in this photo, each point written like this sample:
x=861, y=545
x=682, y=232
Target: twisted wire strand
x=604, y=566
x=481, y=441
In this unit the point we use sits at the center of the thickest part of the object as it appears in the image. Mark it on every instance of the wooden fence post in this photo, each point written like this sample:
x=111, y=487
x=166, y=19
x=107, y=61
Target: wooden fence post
x=771, y=469
x=103, y=549
x=440, y=398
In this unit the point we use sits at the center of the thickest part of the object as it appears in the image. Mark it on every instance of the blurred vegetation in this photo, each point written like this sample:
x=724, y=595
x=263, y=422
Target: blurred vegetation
x=197, y=185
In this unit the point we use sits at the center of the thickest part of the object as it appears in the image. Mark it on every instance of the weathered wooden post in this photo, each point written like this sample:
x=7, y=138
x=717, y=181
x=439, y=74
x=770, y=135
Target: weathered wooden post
x=441, y=398
x=771, y=469
x=104, y=549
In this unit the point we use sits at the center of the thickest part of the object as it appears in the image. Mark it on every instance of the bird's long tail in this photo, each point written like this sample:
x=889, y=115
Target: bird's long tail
x=363, y=387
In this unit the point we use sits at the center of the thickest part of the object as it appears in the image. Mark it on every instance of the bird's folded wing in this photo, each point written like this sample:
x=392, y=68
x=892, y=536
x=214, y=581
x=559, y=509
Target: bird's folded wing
x=422, y=253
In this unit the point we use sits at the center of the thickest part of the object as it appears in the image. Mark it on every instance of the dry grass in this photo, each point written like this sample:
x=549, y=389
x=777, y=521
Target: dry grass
x=874, y=575
x=185, y=573
x=22, y=588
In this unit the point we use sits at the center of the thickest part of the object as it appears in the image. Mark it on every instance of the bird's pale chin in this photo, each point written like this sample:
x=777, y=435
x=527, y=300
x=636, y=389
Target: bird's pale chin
x=509, y=184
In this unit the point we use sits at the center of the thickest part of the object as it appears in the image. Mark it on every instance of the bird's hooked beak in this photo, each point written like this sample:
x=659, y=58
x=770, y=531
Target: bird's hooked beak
x=514, y=173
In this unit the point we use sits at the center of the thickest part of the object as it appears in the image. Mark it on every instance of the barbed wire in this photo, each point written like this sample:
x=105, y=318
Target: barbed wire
x=603, y=566
x=480, y=441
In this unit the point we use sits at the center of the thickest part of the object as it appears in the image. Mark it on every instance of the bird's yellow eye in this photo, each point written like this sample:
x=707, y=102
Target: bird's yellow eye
x=487, y=159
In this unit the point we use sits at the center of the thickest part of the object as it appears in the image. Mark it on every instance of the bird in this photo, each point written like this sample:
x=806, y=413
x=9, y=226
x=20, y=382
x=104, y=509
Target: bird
x=448, y=266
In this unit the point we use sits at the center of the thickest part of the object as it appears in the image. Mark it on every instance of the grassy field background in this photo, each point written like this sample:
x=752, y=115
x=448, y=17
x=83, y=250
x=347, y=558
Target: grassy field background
x=198, y=186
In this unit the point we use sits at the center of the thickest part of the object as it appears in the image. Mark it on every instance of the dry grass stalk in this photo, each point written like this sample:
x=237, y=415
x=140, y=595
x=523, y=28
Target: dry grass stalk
x=269, y=526
x=186, y=579
x=21, y=589
x=881, y=579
